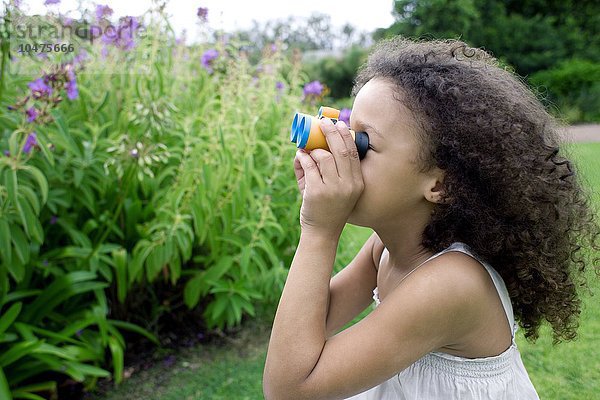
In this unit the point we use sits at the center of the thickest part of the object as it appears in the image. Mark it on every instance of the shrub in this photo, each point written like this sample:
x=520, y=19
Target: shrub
x=574, y=87
x=159, y=164
x=339, y=73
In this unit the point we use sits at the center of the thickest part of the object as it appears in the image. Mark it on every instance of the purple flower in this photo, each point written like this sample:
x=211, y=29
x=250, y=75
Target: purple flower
x=31, y=114
x=79, y=58
x=103, y=11
x=49, y=2
x=345, y=115
x=7, y=153
x=39, y=88
x=17, y=3
x=71, y=86
x=202, y=13
x=279, y=85
x=68, y=21
x=208, y=57
x=30, y=143
x=123, y=36
x=53, y=219
x=314, y=88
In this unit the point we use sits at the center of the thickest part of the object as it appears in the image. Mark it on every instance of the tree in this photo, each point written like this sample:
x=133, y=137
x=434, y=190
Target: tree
x=531, y=35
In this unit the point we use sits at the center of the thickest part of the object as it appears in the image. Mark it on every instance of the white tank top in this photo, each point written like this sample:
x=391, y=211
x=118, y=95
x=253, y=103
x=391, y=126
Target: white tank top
x=443, y=376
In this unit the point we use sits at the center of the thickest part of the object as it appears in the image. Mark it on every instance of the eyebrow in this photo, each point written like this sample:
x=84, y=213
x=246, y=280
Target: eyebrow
x=371, y=127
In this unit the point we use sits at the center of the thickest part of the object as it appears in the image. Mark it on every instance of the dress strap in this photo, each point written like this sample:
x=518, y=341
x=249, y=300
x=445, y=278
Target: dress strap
x=496, y=279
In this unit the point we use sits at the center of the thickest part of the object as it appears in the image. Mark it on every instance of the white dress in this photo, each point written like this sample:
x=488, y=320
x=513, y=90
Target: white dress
x=438, y=376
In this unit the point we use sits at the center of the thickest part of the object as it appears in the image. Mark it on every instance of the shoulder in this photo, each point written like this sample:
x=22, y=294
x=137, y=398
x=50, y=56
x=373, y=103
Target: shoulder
x=458, y=271
x=451, y=289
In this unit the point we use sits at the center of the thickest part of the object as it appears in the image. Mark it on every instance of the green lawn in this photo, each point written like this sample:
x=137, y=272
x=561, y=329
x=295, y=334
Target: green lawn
x=234, y=371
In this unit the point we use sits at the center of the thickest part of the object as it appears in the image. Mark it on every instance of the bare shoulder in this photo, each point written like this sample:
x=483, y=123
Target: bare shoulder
x=455, y=274
x=458, y=269
x=459, y=286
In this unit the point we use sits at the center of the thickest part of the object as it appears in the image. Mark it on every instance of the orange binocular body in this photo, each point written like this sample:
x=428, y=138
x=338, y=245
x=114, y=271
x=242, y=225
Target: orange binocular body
x=307, y=134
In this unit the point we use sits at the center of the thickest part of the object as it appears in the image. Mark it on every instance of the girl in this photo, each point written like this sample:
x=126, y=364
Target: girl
x=478, y=222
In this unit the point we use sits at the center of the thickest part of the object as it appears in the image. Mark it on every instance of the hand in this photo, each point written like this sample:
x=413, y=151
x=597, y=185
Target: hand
x=330, y=182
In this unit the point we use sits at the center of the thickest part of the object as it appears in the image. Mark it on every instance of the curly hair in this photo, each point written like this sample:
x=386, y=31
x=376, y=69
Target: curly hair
x=508, y=193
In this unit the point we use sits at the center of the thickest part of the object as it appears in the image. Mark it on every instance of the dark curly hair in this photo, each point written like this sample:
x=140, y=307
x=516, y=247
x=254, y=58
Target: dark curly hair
x=509, y=194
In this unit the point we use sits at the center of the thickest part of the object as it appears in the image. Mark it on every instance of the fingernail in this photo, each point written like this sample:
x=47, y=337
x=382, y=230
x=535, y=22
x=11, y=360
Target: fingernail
x=327, y=121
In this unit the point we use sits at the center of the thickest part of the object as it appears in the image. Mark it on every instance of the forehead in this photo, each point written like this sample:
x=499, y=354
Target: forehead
x=378, y=103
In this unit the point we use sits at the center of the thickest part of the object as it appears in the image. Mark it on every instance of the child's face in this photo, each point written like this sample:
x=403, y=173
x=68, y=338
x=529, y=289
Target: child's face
x=394, y=188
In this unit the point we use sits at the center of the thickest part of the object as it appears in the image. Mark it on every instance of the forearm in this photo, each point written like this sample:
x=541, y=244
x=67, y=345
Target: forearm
x=299, y=328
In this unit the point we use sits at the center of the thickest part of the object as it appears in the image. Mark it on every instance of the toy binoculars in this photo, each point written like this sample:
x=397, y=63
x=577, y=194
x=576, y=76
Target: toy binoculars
x=307, y=134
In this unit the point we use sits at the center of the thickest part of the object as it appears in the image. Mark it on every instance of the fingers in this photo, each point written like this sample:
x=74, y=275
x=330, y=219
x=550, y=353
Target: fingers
x=327, y=167
x=342, y=145
x=312, y=176
x=351, y=145
x=299, y=173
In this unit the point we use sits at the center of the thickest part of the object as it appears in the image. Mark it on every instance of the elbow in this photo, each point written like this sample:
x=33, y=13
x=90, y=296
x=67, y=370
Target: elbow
x=273, y=391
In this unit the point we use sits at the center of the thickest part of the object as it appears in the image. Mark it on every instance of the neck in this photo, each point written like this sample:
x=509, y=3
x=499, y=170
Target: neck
x=402, y=239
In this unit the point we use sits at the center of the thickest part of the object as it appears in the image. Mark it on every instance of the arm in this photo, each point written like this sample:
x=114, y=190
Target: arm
x=299, y=327
x=351, y=289
x=436, y=306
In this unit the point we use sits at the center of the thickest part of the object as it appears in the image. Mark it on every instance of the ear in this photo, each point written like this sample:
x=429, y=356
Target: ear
x=434, y=188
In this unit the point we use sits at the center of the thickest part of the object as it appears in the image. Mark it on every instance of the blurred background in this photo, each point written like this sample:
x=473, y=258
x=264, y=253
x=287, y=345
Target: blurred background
x=148, y=205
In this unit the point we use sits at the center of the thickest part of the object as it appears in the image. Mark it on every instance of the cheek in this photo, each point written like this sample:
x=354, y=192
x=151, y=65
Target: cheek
x=387, y=180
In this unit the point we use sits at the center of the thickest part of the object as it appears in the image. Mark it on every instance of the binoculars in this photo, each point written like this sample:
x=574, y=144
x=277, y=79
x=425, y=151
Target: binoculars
x=307, y=134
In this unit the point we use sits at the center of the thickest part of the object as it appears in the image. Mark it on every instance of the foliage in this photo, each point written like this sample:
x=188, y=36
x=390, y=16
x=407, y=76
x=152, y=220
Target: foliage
x=573, y=86
x=338, y=73
x=162, y=170
x=530, y=35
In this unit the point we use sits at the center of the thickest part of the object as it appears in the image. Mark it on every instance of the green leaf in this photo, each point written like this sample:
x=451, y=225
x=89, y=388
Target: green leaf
x=80, y=370
x=21, y=294
x=30, y=221
x=43, y=145
x=117, y=359
x=41, y=180
x=5, y=247
x=154, y=263
x=120, y=265
x=32, y=198
x=139, y=257
x=215, y=272
x=4, y=389
x=192, y=291
x=23, y=391
x=134, y=328
x=21, y=246
x=18, y=351
x=18, y=394
x=64, y=138
x=102, y=103
x=9, y=316
x=60, y=290
x=12, y=185
x=46, y=348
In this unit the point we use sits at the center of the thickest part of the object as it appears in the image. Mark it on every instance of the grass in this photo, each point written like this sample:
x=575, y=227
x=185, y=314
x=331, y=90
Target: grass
x=233, y=369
